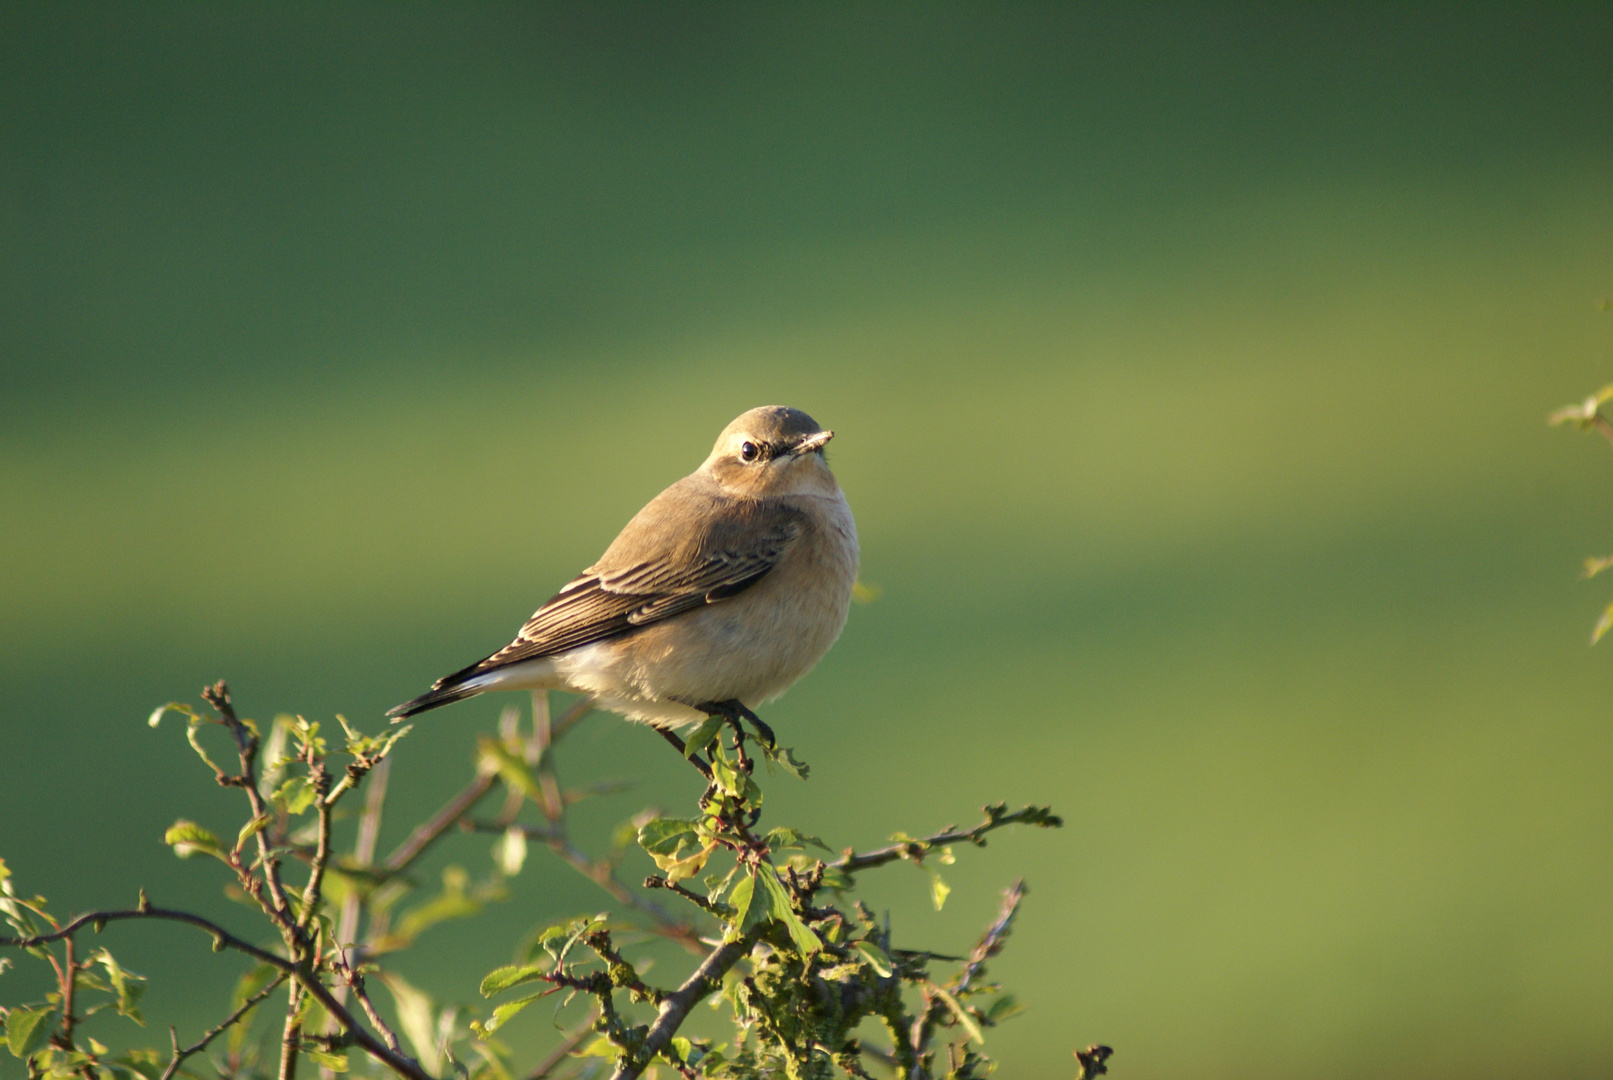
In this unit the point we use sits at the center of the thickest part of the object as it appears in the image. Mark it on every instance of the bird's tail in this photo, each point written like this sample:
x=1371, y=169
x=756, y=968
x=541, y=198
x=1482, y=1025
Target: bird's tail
x=450, y=688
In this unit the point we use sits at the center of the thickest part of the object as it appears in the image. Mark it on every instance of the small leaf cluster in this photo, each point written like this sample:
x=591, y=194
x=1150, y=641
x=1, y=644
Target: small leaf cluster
x=35, y=1031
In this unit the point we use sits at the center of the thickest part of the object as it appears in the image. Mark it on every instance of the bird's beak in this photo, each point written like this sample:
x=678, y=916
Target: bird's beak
x=813, y=442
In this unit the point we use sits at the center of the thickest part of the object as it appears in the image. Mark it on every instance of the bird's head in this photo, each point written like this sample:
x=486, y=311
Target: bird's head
x=772, y=450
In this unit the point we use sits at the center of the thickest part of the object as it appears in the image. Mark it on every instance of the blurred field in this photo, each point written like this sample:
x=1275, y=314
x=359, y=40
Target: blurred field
x=1190, y=372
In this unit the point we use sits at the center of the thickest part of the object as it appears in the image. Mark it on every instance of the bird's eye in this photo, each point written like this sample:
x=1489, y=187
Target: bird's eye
x=749, y=451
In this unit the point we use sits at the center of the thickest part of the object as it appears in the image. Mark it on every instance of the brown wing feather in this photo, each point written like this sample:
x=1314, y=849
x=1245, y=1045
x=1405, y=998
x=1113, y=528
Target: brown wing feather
x=686, y=549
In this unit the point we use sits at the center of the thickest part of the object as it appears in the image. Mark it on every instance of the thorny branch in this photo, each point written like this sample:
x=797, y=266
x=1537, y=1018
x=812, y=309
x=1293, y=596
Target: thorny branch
x=996, y=818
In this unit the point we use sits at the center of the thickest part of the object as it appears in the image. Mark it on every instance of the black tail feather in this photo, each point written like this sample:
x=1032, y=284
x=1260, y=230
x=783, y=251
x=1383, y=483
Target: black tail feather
x=444, y=691
x=431, y=699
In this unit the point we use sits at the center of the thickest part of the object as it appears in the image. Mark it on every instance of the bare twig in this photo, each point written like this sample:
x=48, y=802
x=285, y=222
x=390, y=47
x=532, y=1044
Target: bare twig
x=429, y=831
x=991, y=942
x=69, y=982
x=213, y=1032
x=246, y=743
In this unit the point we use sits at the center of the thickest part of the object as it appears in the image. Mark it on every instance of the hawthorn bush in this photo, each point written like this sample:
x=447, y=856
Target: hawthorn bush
x=801, y=969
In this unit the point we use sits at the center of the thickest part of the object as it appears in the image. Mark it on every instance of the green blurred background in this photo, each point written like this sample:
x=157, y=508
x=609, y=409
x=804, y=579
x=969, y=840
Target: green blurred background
x=1189, y=366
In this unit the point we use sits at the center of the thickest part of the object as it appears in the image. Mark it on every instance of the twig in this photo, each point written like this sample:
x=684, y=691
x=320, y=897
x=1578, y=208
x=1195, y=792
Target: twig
x=69, y=984
x=320, y=779
x=356, y=981
x=246, y=743
x=706, y=978
x=213, y=1032
x=369, y=830
x=428, y=832
x=291, y=1034
x=991, y=942
x=656, y=881
x=917, y=849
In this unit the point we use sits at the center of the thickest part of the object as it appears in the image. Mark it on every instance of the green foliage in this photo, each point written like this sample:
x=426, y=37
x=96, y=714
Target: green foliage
x=799, y=968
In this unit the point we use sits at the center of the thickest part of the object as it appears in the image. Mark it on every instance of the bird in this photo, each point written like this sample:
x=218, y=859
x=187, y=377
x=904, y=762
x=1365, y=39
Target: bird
x=714, y=599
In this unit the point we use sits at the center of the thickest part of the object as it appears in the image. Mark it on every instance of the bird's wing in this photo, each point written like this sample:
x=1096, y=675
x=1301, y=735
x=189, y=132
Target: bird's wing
x=687, y=548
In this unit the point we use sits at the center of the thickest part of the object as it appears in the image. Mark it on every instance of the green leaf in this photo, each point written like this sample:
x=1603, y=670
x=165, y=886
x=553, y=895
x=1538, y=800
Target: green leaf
x=876, y=957
x=600, y=1047
x=1603, y=625
x=26, y=1029
x=124, y=984
x=333, y=1062
x=137, y=1065
x=675, y=846
x=784, y=757
x=295, y=795
x=195, y=744
x=549, y=941
x=961, y=1013
x=187, y=838
x=717, y=884
x=805, y=939
x=1004, y=1007
x=501, y=979
x=785, y=836
x=417, y=1017
x=581, y=927
x=173, y=706
x=251, y=829
x=701, y=737
x=680, y=1049
x=511, y=769
x=744, y=900
x=451, y=903
x=939, y=889
x=728, y=777
x=502, y=1014
x=254, y=980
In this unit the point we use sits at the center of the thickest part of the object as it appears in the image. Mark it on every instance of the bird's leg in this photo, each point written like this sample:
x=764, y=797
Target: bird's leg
x=681, y=747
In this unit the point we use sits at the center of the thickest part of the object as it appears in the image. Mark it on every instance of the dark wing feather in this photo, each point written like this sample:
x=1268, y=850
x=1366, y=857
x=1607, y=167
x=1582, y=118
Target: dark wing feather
x=686, y=549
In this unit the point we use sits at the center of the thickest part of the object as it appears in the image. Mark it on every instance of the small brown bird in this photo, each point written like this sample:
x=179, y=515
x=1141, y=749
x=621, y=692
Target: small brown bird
x=722, y=592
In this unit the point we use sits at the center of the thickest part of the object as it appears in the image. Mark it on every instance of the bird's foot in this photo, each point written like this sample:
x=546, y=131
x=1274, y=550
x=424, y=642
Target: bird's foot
x=733, y=710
